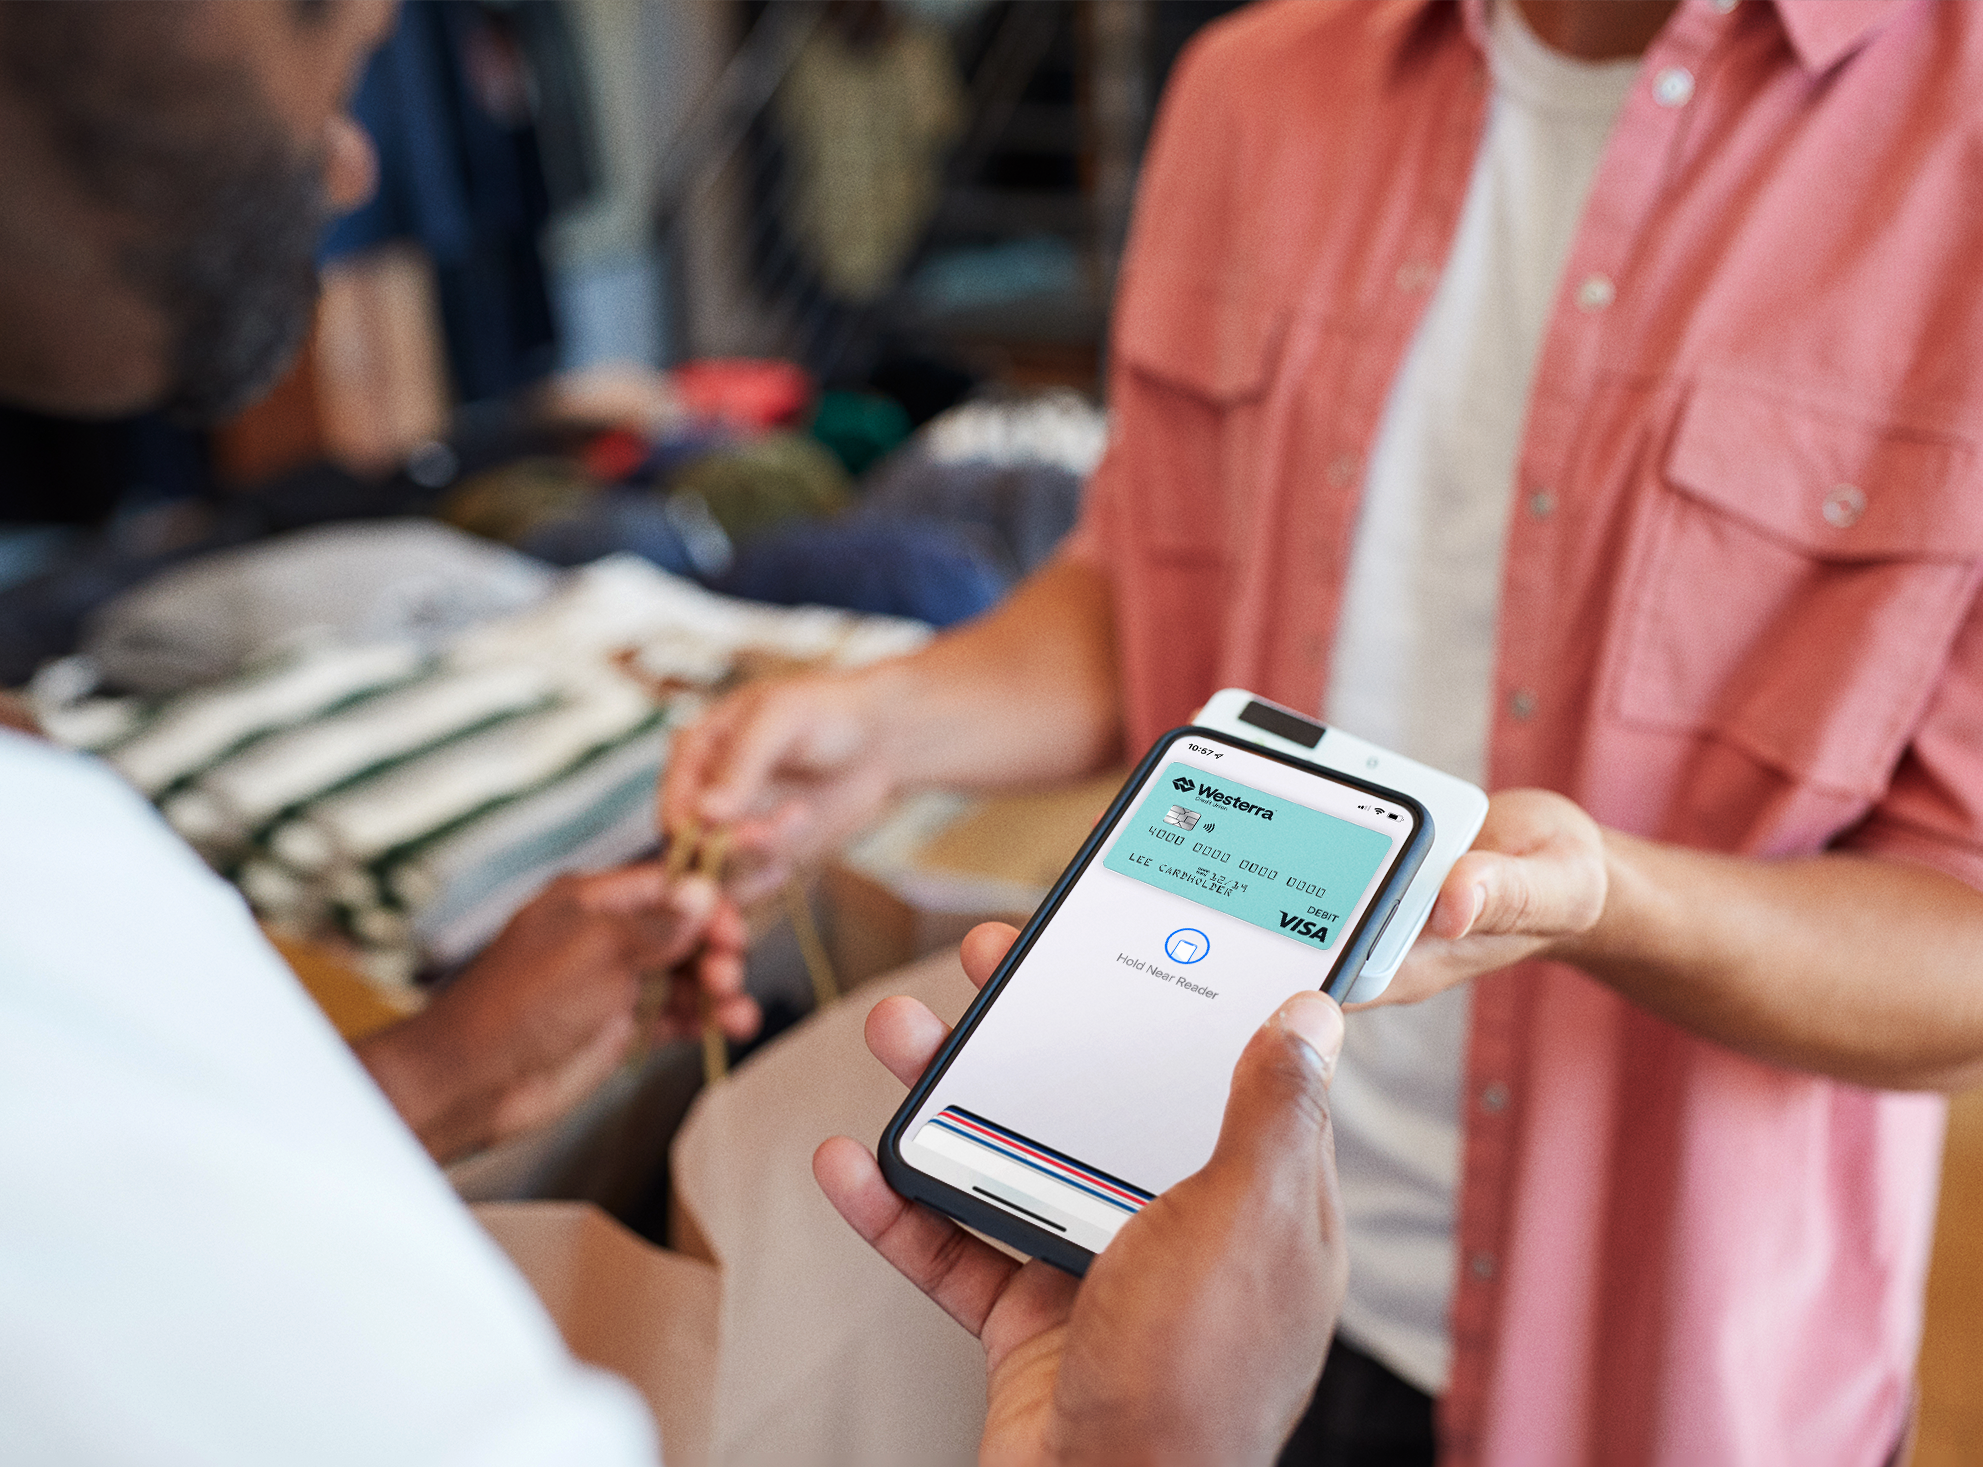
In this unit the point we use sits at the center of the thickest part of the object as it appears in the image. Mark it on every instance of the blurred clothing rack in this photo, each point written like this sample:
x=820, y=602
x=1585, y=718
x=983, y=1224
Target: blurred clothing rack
x=1055, y=105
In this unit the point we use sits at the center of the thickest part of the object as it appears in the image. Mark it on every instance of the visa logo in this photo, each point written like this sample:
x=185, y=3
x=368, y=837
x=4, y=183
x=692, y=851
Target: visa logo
x=1305, y=928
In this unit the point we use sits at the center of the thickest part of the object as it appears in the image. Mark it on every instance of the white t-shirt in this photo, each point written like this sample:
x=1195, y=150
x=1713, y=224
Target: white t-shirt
x=218, y=1243
x=1414, y=656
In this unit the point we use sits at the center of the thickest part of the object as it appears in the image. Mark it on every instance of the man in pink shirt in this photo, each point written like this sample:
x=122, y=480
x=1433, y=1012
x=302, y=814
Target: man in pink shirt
x=1731, y=674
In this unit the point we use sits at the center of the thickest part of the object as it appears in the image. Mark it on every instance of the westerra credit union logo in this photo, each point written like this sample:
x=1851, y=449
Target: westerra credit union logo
x=1233, y=802
x=1182, y=785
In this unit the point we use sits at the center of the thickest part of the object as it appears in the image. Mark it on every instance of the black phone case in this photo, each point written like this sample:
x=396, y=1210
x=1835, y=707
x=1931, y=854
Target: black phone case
x=996, y=1222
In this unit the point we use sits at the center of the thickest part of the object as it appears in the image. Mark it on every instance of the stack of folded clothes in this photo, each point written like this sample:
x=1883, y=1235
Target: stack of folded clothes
x=408, y=797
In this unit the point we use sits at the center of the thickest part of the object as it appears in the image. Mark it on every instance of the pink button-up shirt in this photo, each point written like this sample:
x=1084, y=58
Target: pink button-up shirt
x=1739, y=612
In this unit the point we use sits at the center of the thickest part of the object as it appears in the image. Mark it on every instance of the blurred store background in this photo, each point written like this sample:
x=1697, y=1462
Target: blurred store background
x=682, y=342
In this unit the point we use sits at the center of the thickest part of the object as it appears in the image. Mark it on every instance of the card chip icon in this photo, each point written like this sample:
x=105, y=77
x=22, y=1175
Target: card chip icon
x=1182, y=818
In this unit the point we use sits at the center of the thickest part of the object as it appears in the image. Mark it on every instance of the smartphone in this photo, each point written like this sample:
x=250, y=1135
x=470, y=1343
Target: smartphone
x=1092, y=1071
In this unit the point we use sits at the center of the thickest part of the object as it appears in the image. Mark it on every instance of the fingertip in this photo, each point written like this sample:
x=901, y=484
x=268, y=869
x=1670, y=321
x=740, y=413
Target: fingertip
x=877, y=1026
x=882, y=1015
x=758, y=881
x=835, y=1155
x=1277, y=1111
x=890, y=1014
x=904, y=1035
x=693, y=898
x=718, y=805
x=1459, y=904
x=720, y=975
x=739, y=1017
x=849, y=1177
x=984, y=947
x=727, y=928
x=1314, y=1018
x=776, y=832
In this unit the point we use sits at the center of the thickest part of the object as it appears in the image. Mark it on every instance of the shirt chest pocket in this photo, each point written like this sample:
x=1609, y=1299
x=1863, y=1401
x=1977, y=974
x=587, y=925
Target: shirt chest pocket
x=1197, y=362
x=1797, y=583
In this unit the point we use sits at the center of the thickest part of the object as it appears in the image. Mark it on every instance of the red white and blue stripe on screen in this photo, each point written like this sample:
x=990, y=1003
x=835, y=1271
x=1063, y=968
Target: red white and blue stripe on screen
x=1027, y=1153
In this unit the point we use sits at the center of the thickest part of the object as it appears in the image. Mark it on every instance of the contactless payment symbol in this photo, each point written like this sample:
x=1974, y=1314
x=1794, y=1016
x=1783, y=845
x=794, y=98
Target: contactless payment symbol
x=1182, y=818
x=1187, y=945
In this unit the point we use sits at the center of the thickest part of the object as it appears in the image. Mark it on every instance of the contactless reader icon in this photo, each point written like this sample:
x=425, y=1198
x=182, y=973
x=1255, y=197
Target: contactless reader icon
x=1187, y=945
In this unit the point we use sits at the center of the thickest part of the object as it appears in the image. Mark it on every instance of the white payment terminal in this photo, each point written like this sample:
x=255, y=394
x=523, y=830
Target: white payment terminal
x=1457, y=808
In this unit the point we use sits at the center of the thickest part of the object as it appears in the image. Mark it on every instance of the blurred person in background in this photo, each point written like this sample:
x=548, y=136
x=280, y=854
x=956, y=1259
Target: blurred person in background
x=219, y=1242
x=1581, y=397
x=160, y=252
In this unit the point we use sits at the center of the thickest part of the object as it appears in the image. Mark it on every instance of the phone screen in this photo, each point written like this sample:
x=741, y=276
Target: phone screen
x=1096, y=1075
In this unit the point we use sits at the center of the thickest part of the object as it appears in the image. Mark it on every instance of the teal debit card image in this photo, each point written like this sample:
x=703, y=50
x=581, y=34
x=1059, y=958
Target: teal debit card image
x=1258, y=857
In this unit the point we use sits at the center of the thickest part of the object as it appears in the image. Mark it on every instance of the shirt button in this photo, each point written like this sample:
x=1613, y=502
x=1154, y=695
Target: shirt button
x=1494, y=1098
x=1596, y=292
x=1481, y=1266
x=1542, y=504
x=1673, y=87
x=1843, y=506
x=1522, y=703
x=1722, y=7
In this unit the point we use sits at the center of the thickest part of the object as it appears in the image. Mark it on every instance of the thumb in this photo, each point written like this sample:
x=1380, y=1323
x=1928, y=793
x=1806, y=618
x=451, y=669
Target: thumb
x=1277, y=1115
x=1536, y=895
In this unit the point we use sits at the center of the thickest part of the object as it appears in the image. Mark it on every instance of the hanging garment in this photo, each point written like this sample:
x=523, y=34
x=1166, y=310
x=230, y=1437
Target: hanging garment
x=865, y=128
x=453, y=102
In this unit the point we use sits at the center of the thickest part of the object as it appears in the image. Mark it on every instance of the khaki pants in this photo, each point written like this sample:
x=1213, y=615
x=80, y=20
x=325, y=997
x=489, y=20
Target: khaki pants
x=827, y=1354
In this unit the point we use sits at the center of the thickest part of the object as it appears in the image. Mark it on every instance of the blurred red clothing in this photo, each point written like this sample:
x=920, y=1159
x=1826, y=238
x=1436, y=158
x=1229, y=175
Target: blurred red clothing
x=1738, y=613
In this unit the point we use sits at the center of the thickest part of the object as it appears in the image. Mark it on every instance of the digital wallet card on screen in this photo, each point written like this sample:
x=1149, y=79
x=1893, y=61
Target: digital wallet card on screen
x=1091, y=1073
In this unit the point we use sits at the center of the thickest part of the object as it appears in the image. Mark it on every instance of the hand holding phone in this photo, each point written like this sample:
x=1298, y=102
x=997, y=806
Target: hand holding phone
x=1091, y=1073
x=1198, y=1336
